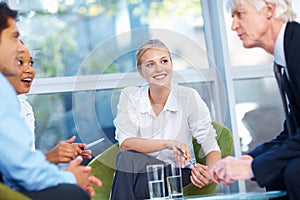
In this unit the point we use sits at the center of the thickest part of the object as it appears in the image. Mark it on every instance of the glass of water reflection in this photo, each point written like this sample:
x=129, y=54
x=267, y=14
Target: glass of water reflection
x=156, y=181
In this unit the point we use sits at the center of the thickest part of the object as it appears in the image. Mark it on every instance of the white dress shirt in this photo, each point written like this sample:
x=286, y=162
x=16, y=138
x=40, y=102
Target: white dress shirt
x=28, y=115
x=279, y=56
x=184, y=115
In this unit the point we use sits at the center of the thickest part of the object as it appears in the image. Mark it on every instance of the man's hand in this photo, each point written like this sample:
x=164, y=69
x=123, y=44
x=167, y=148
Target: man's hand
x=231, y=169
x=83, y=175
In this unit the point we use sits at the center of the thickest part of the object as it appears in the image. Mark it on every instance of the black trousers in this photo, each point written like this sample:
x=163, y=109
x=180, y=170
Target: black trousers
x=60, y=192
x=288, y=181
x=130, y=180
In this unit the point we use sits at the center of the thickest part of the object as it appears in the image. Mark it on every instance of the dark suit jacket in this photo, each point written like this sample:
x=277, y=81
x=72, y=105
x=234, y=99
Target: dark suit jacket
x=271, y=158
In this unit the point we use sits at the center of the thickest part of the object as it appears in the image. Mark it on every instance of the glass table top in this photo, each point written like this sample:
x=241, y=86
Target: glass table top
x=236, y=196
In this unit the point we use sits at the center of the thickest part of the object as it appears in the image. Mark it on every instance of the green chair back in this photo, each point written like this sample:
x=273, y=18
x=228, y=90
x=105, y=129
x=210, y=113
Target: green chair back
x=104, y=165
x=225, y=142
x=7, y=193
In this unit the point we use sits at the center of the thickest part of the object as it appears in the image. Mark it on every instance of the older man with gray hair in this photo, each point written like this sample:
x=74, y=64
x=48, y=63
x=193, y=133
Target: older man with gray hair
x=269, y=24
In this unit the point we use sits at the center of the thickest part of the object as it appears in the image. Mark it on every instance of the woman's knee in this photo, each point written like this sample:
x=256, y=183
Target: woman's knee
x=125, y=156
x=125, y=161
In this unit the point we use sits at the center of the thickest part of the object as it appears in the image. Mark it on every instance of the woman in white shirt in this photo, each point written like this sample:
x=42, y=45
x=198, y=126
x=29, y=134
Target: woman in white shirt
x=156, y=118
x=64, y=151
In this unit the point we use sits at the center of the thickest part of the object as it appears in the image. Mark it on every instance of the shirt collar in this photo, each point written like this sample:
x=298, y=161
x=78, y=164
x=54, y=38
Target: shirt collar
x=144, y=105
x=172, y=101
x=171, y=104
x=279, y=56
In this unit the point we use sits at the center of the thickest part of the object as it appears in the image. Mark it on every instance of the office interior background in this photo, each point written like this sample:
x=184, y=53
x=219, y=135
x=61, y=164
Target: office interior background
x=84, y=54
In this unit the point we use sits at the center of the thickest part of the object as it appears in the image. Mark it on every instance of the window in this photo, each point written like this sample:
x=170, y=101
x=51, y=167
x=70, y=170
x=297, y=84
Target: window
x=63, y=34
x=84, y=53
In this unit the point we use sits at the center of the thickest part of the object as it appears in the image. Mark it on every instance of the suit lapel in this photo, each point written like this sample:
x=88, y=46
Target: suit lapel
x=292, y=55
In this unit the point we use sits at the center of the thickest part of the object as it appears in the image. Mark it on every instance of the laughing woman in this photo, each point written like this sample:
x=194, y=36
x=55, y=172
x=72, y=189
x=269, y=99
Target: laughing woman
x=64, y=151
x=156, y=118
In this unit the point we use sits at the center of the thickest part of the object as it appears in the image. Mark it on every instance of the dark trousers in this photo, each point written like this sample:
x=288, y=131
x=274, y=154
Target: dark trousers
x=60, y=192
x=288, y=181
x=130, y=180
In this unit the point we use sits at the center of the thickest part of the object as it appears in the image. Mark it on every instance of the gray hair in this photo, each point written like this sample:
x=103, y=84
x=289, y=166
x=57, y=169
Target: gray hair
x=283, y=10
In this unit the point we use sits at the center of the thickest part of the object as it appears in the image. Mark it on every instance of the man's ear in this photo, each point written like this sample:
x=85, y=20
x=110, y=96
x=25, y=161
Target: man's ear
x=269, y=10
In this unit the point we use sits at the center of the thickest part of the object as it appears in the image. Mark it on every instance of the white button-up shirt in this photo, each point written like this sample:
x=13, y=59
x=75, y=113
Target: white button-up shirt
x=279, y=56
x=28, y=116
x=184, y=115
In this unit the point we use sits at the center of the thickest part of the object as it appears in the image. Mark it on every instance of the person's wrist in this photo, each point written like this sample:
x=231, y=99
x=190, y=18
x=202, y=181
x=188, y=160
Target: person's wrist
x=249, y=163
x=168, y=144
x=246, y=157
x=47, y=156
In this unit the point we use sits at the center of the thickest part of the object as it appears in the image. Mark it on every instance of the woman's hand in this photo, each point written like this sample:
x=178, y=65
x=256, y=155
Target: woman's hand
x=200, y=175
x=180, y=159
x=66, y=150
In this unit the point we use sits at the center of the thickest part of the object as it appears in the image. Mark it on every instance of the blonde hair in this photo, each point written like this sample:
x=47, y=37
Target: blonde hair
x=283, y=10
x=149, y=44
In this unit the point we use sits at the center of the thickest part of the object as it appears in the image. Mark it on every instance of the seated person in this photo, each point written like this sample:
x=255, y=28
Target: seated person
x=22, y=168
x=64, y=151
x=156, y=118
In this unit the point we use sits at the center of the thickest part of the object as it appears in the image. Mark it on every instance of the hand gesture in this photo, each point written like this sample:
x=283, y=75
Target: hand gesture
x=200, y=175
x=83, y=175
x=231, y=169
x=185, y=149
x=66, y=150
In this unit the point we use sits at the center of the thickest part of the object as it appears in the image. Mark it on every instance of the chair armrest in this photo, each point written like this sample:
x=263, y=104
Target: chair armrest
x=7, y=193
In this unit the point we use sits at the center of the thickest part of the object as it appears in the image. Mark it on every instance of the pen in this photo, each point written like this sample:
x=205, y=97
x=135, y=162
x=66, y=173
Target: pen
x=93, y=143
x=181, y=152
x=189, y=163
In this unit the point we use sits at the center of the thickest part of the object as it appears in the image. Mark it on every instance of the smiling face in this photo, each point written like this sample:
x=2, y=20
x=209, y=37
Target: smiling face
x=156, y=67
x=8, y=48
x=23, y=80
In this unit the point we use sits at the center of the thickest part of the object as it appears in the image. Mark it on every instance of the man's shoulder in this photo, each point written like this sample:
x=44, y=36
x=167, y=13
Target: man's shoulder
x=294, y=24
x=292, y=27
x=292, y=38
x=8, y=95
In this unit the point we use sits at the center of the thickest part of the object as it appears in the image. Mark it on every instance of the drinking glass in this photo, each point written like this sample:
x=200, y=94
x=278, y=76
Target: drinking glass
x=156, y=182
x=174, y=182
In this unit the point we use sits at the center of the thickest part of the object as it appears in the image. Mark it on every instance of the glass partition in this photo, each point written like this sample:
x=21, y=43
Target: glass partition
x=259, y=114
x=70, y=39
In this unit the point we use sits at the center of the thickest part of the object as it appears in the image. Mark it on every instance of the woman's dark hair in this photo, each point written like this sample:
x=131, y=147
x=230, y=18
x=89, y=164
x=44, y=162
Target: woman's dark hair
x=5, y=13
